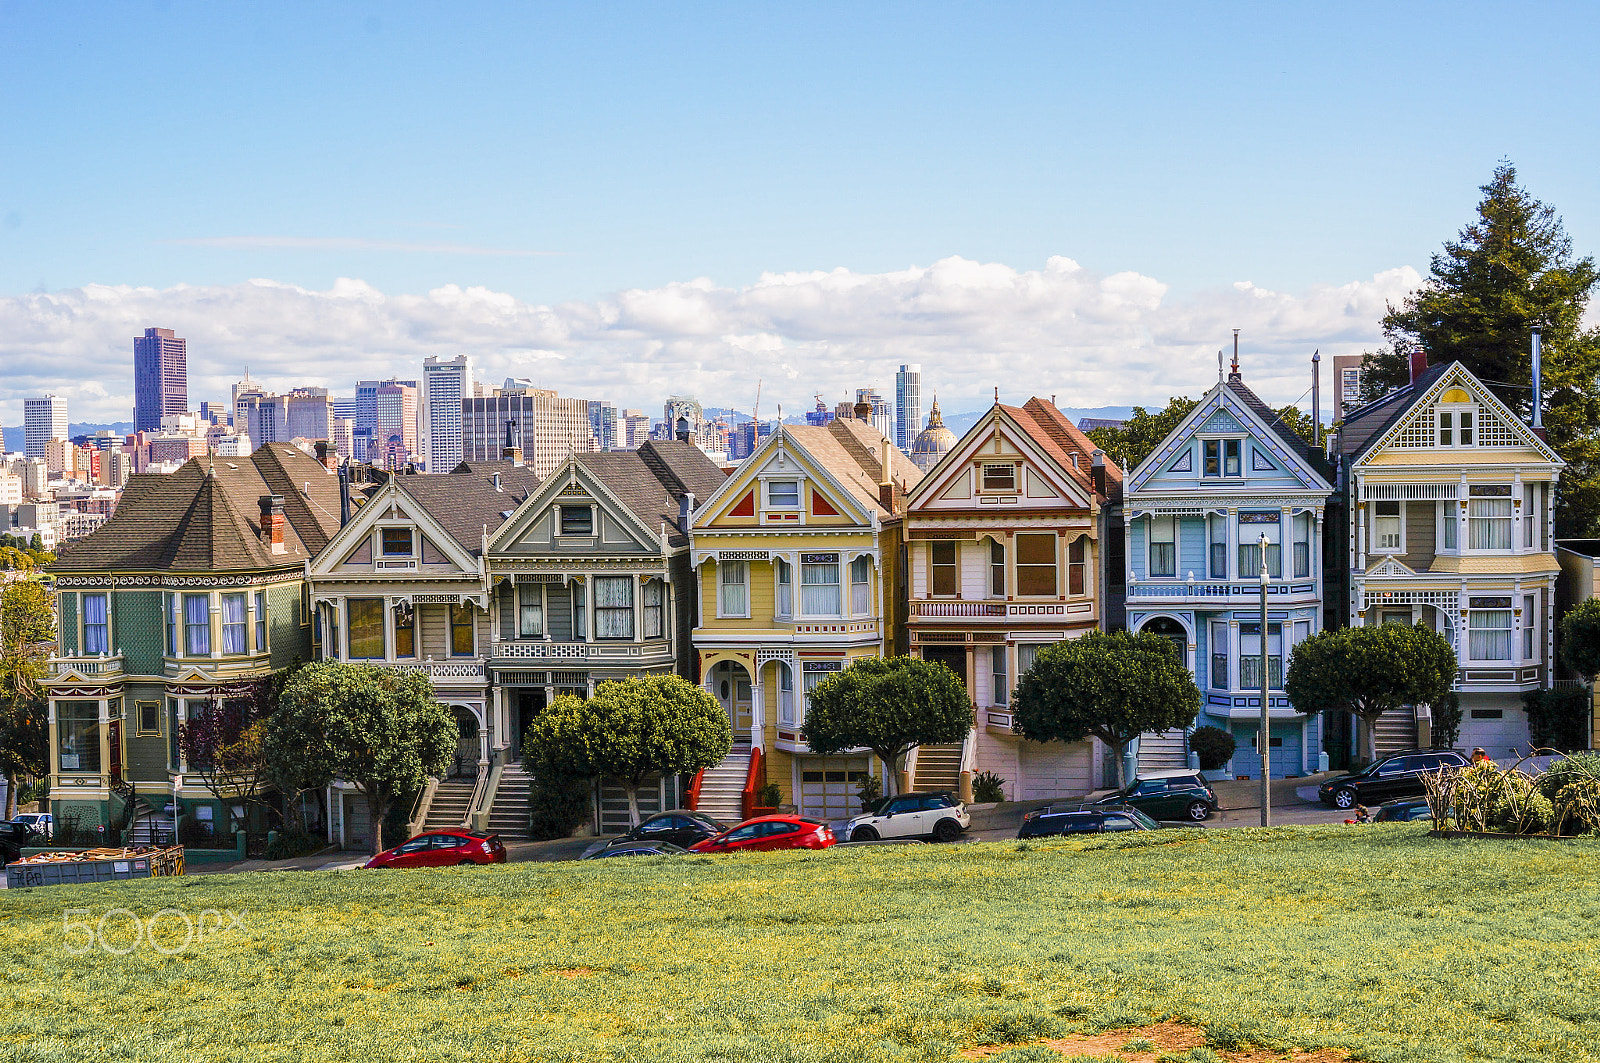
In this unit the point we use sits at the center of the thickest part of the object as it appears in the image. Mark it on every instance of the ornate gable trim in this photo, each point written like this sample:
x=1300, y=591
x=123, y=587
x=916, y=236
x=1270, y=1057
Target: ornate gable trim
x=1417, y=430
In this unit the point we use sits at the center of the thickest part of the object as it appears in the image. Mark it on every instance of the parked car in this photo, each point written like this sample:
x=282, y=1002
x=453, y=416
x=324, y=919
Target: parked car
x=13, y=838
x=765, y=833
x=1053, y=820
x=443, y=848
x=1177, y=794
x=635, y=848
x=1403, y=811
x=43, y=823
x=1397, y=775
x=920, y=814
x=680, y=827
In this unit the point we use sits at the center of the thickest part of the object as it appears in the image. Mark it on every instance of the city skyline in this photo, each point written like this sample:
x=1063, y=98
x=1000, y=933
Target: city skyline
x=1087, y=200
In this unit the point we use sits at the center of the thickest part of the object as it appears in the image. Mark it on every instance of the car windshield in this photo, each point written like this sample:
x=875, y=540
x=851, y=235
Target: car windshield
x=1143, y=820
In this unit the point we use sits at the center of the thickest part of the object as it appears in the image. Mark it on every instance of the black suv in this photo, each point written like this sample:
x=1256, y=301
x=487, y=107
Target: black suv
x=1397, y=775
x=13, y=837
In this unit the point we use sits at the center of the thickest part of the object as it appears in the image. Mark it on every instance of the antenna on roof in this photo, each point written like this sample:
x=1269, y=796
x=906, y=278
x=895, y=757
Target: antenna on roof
x=1235, y=369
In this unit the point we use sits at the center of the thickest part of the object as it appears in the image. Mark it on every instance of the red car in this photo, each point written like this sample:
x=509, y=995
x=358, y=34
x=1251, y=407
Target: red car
x=769, y=832
x=444, y=848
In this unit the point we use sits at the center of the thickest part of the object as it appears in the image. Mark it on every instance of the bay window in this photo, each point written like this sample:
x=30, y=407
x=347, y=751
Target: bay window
x=812, y=673
x=655, y=603
x=1253, y=525
x=1386, y=529
x=945, y=573
x=861, y=586
x=461, y=633
x=197, y=625
x=1163, y=546
x=785, y=578
x=530, y=611
x=1489, y=517
x=733, y=590
x=1447, y=525
x=997, y=675
x=364, y=620
x=174, y=623
x=1219, y=656
x=78, y=735
x=1219, y=547
x=1302, y=546
x=96, y=632
x=1027, y=653
x=786, y=706
x=819, y=585
x=405, y=629
x=234, y=624
x=1250, y=656
x=613, y=607
x=1077, y=555
x=261, y=621
x=1489, y=629
x=1530, y=515
x=1036, y=565
x=1530, y=629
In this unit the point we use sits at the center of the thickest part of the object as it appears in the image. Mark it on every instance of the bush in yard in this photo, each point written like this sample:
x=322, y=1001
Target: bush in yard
x=1580, y=638
x=557, y=804
x=1369, y=671
x=380, y=730
x=1447, y=721
x=988, y=788
x=1113, y=687
x=1558, y=719
x=630, y=730
x=1213, y=746
x=889, y=705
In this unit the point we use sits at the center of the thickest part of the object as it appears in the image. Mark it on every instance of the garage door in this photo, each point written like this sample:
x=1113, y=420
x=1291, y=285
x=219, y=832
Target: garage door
x=1053, y=769
x=829, y=786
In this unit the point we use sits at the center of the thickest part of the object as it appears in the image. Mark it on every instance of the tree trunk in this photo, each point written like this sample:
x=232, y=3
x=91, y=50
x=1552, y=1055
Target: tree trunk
x=633, y=803
x=1120, y=749
x=892, y=762
x=375, y=813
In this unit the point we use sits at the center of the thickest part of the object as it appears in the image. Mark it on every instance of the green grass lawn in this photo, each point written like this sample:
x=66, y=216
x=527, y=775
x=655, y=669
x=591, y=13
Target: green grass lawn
x=1378, y=940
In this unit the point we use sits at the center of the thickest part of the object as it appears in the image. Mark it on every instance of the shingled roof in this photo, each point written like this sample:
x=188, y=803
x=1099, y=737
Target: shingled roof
x=652, y=480
x=1065, y=440
x=1371, y=421
x=852, y=451
x=205, y=517
x=466, y=500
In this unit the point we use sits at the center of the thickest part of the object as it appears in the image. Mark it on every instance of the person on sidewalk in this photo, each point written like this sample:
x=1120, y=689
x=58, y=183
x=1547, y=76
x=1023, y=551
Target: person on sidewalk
x=1480, y=758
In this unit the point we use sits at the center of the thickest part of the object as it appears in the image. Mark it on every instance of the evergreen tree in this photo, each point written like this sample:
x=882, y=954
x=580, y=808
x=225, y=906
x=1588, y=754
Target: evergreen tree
x=1509, y=271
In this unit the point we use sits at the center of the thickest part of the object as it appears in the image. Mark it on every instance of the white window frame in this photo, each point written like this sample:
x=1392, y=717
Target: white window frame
x=799, y=488
x=1297, y=521
x=615, y=613
x=1530, y=628
x=1509, y=520
x=997, y=568
x=787, y=716
x=1374, y=542
x=1447, y=536
x=999, y=683
x=258, y=602
x=1477, y=613
x=725, y=569
x=1454, y=411
x=105, y=627
x=242, y=626
x=838, y=583
x=653, y=614
x=783, y=585
x=861, y=590
x=1150, y=542
x=534, y=591
x=983, y=475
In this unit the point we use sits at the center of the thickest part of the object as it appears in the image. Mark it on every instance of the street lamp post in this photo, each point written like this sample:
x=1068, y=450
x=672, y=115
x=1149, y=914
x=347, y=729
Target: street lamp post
x=1265, y=738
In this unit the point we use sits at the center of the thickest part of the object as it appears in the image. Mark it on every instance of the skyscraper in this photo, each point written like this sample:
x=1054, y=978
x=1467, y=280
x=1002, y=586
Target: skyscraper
x=366, y=433
x=907, y=405
x=445, y=382
x=160, y=378
x=603, y=423
x=44, y=419
x=547, y=429
x=395, y=434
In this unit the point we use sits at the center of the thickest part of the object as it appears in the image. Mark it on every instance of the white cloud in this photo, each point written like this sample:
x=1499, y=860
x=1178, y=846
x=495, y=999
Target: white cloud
x=1090, y=340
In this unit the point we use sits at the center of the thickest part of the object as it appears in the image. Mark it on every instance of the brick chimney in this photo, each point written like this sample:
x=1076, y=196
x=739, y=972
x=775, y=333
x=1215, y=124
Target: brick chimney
x=272, y=521
x=327, y=456
x=1419, y=363
x=863, y=412
x=1097, y=470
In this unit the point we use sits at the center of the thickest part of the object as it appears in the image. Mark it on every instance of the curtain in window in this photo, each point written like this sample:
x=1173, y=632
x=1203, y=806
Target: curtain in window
x=860, y=574
x=654, y=607
x=613, y=607
x=785, y=575
x=1076, y=555
x=1250, y=656
x=997, y=667
x=997, y=570
x=95, y=636
x=365, y=616
x=1489, y=635
x=1163, y=547
x=530, y=611
x=1489, y=524
x=732, y=576
x=197, y=624
x=1219, y=547
x=819, y=589
x=405, y=631
x=785, y=695
x=233, y=623
x=174, y=620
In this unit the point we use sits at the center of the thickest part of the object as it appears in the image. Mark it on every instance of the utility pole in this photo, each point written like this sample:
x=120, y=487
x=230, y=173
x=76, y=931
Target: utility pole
x=1266, y=712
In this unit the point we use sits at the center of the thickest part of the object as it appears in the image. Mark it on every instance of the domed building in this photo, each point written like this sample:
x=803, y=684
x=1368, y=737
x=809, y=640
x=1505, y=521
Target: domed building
x=934, y=440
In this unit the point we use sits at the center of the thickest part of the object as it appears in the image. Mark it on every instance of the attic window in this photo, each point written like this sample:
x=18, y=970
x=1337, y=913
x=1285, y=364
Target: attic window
x=783, y=494
x=1456, y=422
x=396, y=542
x=999, y=477
x=577, y=520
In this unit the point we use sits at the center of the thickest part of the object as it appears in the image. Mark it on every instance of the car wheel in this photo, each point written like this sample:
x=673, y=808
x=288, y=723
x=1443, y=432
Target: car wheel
x=1198, y=811
x=946, y=830
x=1344, y=797
x=864, y=834
x=468, y=863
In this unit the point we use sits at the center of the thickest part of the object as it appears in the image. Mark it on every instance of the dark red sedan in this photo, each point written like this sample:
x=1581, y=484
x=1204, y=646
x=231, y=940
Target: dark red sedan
x=769, y=832
x=444, y=848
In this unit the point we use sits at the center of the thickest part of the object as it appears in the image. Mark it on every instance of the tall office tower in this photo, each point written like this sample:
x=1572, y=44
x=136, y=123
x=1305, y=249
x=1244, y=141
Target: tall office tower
x=882, y=413
x=547, y=428
x=44, y=419
x=344, y=426
x=635, y=429
x=907, y=405
x=308, y=413
x=603, y=422
x=367, y=434
x=1346, y=383
x=395, y=430
x=445, y=383
x=160, y=378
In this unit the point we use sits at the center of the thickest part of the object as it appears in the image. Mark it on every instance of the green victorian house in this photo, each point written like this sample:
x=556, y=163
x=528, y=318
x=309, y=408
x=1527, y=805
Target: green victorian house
x=198, y=581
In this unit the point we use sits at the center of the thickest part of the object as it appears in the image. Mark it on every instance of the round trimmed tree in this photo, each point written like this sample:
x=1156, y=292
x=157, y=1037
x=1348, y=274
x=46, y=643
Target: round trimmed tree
x=889, y=705
x=1113, y=687
x=630, y=730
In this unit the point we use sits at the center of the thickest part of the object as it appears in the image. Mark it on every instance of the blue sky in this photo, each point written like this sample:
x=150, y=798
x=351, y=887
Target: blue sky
x=559, y=156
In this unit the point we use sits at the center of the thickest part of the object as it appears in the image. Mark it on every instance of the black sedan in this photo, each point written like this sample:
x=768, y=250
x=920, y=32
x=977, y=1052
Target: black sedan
x=1397, y=775
x=680, y=827
x=635, y=849
x=1055, y=820
x=1403, y=811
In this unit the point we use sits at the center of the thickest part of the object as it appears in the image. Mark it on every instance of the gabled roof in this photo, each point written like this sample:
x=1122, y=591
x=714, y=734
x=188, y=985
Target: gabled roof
x=651, y=480
x=205, y=517
x=1361, y=426
x=1380, y=423
x=853, y=452
x=1070, y=439
x=465, y=500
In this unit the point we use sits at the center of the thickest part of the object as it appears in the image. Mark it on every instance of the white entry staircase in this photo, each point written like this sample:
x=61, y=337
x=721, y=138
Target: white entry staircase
x=509, y=813
x=722, y=786
x=451, y=801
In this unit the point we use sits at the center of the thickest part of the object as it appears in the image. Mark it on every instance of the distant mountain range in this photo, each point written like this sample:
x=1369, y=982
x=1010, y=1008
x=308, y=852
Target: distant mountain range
x=14, y=437
x=960, y=422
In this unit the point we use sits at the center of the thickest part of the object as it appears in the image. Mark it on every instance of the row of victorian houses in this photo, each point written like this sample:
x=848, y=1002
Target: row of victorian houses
x=827, y=544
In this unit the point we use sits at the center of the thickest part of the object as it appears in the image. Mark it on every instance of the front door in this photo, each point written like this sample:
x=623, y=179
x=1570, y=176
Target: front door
x=731, y=684
x=529, y=704
x=114, y=740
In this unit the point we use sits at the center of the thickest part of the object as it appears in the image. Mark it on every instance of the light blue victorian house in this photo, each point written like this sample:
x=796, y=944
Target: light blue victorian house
x=1197, y=508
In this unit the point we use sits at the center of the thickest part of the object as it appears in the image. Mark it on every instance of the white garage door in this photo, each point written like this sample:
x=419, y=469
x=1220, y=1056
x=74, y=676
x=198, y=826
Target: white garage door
x=829, y=786
x=1053, y=769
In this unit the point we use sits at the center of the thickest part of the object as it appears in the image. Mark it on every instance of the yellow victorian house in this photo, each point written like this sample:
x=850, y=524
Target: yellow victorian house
x=798, y=556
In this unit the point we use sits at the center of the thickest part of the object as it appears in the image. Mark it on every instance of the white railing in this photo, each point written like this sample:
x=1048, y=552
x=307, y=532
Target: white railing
x=542, y=650
x=958, y=608
x=466, y=668
x=86, y=666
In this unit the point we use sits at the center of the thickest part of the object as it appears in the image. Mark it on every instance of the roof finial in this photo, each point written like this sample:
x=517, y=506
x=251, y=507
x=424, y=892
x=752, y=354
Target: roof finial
x=1219, y=365
x=997, y=394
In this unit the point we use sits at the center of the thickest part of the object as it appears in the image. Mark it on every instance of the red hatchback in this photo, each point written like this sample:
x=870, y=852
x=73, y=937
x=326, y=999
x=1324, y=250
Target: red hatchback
x=444, y=848
x=769, y=832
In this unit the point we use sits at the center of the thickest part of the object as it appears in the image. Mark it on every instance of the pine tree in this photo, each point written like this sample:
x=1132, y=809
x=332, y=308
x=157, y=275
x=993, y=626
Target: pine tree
x=1509, y=271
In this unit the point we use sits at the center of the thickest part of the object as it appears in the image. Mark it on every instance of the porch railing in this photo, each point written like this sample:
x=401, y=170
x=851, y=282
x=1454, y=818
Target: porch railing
x=464, y=668
x=958, y=609
x=100, y=664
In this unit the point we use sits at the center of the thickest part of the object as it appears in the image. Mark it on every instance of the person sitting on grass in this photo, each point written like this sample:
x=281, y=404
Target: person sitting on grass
x=1362, y=816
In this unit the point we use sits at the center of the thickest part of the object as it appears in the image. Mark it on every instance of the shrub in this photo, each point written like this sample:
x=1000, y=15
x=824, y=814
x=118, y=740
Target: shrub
x=1524, y=812
x=1558, y=719
x=769, y=795
x=988, y=788
x=398, y=817
x=1447, y=721
x=1572, y=786
x=557, y=804
x=286, y=844
x=870, y=790
x=1213, y=746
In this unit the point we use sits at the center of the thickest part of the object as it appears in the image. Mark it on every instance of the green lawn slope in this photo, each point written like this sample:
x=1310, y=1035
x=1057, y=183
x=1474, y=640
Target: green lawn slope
x=1376, y=940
